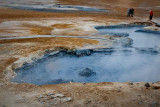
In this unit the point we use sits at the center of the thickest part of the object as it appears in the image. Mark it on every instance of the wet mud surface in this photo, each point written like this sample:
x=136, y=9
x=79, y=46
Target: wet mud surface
x=50, y=7
x=142, y=38
x=102, y=66
x=137, y=62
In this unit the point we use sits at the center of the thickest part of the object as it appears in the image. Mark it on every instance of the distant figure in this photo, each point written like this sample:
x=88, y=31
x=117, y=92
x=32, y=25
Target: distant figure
x=132, y=12
x=151, y=15
x=128, y=12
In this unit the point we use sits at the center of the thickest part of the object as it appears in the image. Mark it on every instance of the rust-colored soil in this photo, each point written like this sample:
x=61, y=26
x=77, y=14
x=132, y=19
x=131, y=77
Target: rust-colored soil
x=23, y=47
x=105, y=94
x=46, y=30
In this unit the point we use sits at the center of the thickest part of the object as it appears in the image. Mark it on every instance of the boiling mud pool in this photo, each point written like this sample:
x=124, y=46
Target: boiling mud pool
x=141, y=62
x=141, y=38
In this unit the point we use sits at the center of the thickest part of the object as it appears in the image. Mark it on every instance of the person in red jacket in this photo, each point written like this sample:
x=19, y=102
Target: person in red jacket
x=151, y=15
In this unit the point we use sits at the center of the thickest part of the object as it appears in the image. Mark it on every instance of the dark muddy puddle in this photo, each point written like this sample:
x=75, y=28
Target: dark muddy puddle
x=137, y=63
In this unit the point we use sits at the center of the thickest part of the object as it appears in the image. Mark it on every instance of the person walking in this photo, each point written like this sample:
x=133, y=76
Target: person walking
x=151, y=15
x=132, y=12
x=128, y=12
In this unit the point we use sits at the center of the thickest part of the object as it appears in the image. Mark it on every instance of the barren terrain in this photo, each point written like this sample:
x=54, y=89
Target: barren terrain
x=16, y=52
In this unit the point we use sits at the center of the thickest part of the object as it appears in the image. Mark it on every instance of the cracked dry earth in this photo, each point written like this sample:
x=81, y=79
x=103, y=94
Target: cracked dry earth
x=26, y=25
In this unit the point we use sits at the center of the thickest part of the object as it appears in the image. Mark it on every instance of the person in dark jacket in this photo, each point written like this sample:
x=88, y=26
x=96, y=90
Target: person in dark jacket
x=132, y=12
x=128, y=12
x=150, y=15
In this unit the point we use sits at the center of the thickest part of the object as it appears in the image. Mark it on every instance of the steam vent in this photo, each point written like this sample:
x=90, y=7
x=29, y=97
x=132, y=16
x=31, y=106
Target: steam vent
x=79, y=53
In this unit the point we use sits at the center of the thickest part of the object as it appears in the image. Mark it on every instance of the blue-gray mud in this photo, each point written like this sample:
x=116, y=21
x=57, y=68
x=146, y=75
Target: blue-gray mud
x=137, y=63
x=142, y=38
x=55, y=8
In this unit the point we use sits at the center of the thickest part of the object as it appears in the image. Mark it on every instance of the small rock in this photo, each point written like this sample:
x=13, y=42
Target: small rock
x=40, y=96
x=88, y=101
x=49, y=94
x=59, y=95
x=52, y=96
x=43, y=101
x=67, y=99
x=139, y=95
x=130, y=83
x=87, y=72
x=147, y=84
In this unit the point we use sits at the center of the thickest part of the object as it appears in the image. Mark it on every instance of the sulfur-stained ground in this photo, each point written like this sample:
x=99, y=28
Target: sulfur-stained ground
x=15, y=52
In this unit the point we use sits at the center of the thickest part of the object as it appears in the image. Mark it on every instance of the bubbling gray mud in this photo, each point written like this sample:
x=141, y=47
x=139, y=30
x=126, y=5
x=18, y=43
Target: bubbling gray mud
x=103, y=66
x=137, y=63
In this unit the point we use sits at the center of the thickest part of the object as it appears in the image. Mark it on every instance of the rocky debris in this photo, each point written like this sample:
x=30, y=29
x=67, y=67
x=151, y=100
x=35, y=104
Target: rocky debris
x=155, y=105
x=53, y=98
x=142, y=23
x=139, y=95
x=87, y=72
x=67, y=99
x=118, y=26
x=130, y=83
x=87, y=101
x=156, y=87
x=83, y=52
x=157, y=25
x=59, y=95
x=147, y=84
x=80, y=52
x=140, y=102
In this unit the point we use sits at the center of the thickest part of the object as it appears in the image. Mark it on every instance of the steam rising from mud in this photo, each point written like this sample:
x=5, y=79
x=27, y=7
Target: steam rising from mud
x=115, y=66
x=137, y=63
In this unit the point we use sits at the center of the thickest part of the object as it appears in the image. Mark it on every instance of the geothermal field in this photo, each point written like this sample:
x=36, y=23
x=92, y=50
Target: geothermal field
x=79, y=53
